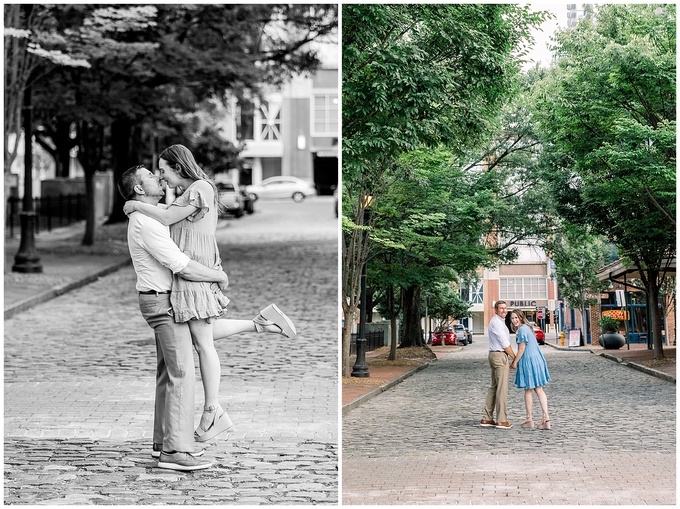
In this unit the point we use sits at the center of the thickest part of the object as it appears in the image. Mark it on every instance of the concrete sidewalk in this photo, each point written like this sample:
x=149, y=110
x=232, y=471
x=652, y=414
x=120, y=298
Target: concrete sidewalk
x=66, y=264
x=356, y=391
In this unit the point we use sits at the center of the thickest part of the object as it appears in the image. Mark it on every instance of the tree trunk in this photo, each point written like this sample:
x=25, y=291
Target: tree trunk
x=90, y=153
x=64, y=144
x=346, y=340
x=655, y=312
x=90, y=215
x=584, y=332
x=391, y=306
x=411, y=331
x=122, y=159
x=370, y=304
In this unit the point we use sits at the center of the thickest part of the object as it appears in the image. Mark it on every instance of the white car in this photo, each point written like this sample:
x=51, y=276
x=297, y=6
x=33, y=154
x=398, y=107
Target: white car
x=282, y=187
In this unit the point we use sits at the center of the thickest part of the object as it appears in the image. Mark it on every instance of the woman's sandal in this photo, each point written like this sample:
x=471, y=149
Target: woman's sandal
x=220, y=423
x=527, y=424
x=545, y=424
x=272, y=315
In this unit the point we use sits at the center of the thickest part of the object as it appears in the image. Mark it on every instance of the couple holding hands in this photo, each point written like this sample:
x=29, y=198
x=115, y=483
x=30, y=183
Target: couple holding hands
x=532, y=370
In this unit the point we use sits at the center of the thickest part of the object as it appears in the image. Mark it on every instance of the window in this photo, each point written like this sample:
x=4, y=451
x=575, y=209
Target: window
x=246, y=121
x=326, y=114
x=271, y=121
x=524, y=288
x=474, y=293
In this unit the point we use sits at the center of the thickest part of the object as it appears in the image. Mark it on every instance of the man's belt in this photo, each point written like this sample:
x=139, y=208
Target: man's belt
x=154, y=292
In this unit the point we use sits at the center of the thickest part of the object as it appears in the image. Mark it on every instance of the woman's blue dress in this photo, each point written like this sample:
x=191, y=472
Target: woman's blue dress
x=532, y=370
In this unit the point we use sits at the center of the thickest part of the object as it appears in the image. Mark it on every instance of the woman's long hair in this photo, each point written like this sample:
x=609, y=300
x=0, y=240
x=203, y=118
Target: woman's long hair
x=182, y=160
x=522, y=318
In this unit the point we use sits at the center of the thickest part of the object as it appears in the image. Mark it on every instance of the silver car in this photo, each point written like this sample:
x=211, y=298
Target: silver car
x=463, y=332
x=282, y=187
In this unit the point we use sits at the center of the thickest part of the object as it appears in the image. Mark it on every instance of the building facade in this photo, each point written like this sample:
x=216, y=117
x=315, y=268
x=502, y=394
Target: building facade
x=575, y=12
x=525, y=284
x=293, y=130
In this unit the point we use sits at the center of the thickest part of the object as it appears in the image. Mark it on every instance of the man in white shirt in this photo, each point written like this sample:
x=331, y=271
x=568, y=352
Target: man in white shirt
x=499, y=351
x=155, y=258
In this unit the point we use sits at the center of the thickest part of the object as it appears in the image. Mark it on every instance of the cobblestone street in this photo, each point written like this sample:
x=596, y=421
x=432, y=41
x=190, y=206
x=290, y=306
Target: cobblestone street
x=79, y=383
x=612, y=439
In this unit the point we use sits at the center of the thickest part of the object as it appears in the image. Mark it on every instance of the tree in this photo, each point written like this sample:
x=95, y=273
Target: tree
x=607, y=112
x=29, y=59
x=446, y=305
x=416, y=75
x=578, y=256
x=148, y=64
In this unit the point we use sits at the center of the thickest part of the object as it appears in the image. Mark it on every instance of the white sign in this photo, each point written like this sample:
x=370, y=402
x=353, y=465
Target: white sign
x=575, y=337
x=621, y=298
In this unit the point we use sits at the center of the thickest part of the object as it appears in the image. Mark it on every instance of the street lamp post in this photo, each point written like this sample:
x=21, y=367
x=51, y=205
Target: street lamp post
x=427, y=320
x=360, y=369
x=27, y=259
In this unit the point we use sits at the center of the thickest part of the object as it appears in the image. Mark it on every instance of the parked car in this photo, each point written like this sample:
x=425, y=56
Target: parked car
x=447, y=337
x=230, y=198
x=282, y=187
x=248, y=201
x=538, y=332
x=463, y=332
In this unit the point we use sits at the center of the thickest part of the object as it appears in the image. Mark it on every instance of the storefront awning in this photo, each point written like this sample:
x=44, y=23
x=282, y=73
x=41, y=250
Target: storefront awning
x=618, y=270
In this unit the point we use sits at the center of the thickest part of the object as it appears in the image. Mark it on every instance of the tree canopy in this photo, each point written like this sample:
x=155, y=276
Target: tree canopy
x=607, y=111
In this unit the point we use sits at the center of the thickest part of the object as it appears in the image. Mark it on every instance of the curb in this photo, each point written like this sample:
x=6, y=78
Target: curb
x=633, y=365
x=567, y=348
x=382, y=388
x=30, y=302
x=640, y=367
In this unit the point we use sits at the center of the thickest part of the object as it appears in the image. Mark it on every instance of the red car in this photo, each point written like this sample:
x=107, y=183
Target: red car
x=538, y=332
x=449, y=338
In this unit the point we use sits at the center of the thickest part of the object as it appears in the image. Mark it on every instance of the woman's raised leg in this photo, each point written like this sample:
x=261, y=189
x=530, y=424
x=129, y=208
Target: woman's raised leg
x=226, y=327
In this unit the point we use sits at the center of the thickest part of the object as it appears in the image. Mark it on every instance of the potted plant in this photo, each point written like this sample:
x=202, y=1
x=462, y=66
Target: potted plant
x=610, y=337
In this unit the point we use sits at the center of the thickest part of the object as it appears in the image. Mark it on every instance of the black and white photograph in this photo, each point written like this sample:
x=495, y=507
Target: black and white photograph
x=171, y=254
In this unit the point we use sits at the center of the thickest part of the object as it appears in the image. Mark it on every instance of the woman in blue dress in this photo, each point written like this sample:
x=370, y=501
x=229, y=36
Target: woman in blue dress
x=532, y=370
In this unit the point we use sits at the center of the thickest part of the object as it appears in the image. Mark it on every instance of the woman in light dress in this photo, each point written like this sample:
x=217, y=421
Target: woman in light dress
x=192, y=218
x=532, y=370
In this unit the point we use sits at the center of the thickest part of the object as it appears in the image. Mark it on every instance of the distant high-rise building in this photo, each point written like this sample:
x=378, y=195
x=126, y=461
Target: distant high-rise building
x=575, y=12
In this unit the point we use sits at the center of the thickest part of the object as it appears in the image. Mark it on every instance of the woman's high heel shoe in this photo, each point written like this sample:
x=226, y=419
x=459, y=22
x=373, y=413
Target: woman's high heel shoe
x=545, y=424
x=220, y=423
x=527, y=424
x=272, y=315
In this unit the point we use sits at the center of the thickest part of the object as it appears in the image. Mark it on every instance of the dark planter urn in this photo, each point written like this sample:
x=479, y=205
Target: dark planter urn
x=612, y=340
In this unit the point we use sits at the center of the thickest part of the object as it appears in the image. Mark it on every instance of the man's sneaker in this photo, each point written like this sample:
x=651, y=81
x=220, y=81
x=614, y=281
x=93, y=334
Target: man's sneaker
x=503, y=425
x=182, y=461
x=157, y=448
x=487, y=424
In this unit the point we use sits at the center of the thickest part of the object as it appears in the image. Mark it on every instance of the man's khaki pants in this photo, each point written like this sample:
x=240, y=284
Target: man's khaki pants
x=497, y=395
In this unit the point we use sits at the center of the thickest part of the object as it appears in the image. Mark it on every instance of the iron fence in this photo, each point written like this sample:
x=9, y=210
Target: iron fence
x=374, y=340
x=50, y=211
